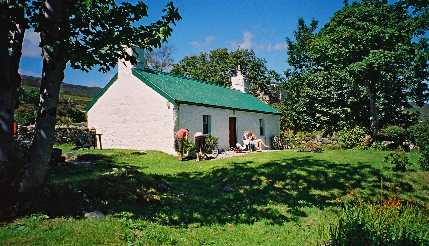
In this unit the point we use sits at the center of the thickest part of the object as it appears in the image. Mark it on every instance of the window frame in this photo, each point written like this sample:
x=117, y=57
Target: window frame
x=261, y=127
x=207, y=124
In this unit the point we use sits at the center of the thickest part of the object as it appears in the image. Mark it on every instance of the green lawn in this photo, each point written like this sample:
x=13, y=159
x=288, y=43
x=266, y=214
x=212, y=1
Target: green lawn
x=275, y=198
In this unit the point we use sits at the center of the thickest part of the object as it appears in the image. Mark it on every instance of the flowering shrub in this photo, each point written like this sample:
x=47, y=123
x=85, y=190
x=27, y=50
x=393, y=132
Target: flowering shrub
x=388, y=223
x=354, y=138
x=396, y=134
x=311, y=147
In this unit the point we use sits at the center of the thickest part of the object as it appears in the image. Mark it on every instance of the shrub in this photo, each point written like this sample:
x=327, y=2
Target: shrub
x=278, y=143
x=311, y=147
x=378, y=145
x=420, y=136
x=25, y=115
x=398, y=160
x=353, y=138
x=188, y=145
x=396, y=134
x=300, y=140
x=424, y=159
x=211, y=143
x=388, y=224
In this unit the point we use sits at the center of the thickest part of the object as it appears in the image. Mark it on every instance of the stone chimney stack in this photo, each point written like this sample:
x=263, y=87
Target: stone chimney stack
x=238, y=82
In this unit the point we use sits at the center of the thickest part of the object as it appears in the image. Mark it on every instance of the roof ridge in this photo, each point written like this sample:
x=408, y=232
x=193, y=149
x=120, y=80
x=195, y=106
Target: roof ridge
x=207, y=82
x=199, y=92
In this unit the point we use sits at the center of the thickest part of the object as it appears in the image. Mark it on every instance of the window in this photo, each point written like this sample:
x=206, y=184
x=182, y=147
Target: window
x=207, y=125
x=261, y=127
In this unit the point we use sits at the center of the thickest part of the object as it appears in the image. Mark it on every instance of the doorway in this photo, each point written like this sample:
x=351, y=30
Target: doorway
x=232, y=131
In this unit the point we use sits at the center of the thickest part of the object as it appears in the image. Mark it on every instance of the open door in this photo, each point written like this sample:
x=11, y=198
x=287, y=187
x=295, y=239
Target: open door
x=232, y=131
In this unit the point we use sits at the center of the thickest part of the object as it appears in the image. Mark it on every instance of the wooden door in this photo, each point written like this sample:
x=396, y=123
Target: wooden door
x=232, y=131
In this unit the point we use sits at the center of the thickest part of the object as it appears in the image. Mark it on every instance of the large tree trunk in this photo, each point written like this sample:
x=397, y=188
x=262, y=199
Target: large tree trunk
x=12, y=28
x=5, y=87
x=52, y=35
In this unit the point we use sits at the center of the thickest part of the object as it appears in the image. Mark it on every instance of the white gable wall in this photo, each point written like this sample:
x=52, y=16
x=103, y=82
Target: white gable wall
x=131, y=115
x=191, y=117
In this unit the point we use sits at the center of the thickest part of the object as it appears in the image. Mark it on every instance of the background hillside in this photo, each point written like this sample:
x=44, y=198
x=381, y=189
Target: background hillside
x=66, y=89
x=424, y=111
x=71, y=107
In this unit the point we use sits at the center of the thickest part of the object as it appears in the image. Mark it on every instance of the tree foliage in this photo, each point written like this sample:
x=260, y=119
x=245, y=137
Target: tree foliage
x=219, y=65
x=362, y=68
x=99, y=32
x=85, y=34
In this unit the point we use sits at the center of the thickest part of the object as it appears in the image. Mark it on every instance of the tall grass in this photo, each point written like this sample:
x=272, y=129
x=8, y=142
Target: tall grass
x=387, y=223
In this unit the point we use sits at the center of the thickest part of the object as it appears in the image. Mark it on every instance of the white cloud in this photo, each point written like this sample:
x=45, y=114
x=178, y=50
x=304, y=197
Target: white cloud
x=203, y=44
x=247, y=42
x=30, y=46
x=273, y=46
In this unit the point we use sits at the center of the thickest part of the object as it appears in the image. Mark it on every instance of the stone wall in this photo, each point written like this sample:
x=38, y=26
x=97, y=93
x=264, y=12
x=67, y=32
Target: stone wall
x=63, y=134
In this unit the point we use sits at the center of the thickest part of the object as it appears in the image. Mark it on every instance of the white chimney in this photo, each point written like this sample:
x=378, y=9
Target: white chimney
x=124, y=67
x=238, y=82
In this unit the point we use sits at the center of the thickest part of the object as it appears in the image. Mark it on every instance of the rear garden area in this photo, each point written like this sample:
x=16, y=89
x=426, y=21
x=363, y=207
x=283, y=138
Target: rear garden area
x=273, y=198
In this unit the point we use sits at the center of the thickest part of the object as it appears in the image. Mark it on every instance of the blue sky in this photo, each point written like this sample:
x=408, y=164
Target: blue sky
x=207, y=24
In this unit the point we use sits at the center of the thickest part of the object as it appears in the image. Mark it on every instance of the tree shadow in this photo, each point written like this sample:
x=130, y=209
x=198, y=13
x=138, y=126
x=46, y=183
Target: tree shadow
x=245, y=192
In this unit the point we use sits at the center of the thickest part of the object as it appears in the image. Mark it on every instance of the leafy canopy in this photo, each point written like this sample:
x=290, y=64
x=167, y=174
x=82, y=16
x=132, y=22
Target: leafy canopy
x=362, y=68
x=219, y=65
x=98, y=32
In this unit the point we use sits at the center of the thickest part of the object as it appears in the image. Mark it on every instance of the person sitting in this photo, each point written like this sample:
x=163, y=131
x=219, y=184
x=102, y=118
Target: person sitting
x=246, y=140
x=181, y=137
x=258, y=143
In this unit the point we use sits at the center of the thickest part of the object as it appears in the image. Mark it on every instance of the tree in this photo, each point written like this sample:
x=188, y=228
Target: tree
x=219, y=65
x=372, y=41
x=301, y=103
x=86, y=34
x=159, y=59
x=12, y=28
x=366, y=64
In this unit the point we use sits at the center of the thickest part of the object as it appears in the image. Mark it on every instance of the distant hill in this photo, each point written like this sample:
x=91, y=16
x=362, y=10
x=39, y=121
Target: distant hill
x=66, y=89
x=424, y=111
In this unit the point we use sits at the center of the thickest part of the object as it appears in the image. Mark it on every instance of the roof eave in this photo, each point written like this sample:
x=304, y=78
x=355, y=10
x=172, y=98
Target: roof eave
x=225, y=107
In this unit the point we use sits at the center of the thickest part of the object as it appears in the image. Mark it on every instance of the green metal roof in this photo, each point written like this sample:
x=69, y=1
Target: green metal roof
x=180, y=90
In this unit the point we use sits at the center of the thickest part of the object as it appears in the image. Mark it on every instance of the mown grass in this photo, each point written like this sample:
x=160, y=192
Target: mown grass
x=150, y=198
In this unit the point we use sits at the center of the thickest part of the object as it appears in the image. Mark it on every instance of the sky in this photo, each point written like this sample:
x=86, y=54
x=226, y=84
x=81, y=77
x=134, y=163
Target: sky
x=208, y=24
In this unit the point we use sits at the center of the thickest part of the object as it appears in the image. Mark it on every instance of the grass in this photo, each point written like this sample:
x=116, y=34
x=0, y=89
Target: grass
x=150, y=198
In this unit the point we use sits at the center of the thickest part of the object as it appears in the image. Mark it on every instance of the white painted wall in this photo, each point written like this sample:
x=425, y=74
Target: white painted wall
x=191, y=117
x=131, y=115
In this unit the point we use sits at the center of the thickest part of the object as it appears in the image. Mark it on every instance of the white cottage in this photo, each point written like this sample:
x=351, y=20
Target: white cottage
x=142, y=109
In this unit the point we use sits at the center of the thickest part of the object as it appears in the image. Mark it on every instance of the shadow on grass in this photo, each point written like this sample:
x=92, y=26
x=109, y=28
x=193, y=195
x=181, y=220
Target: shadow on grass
x=275, y=191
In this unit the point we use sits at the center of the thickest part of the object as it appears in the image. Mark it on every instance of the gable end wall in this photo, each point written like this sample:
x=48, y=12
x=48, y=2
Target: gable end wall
x=131, y=115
